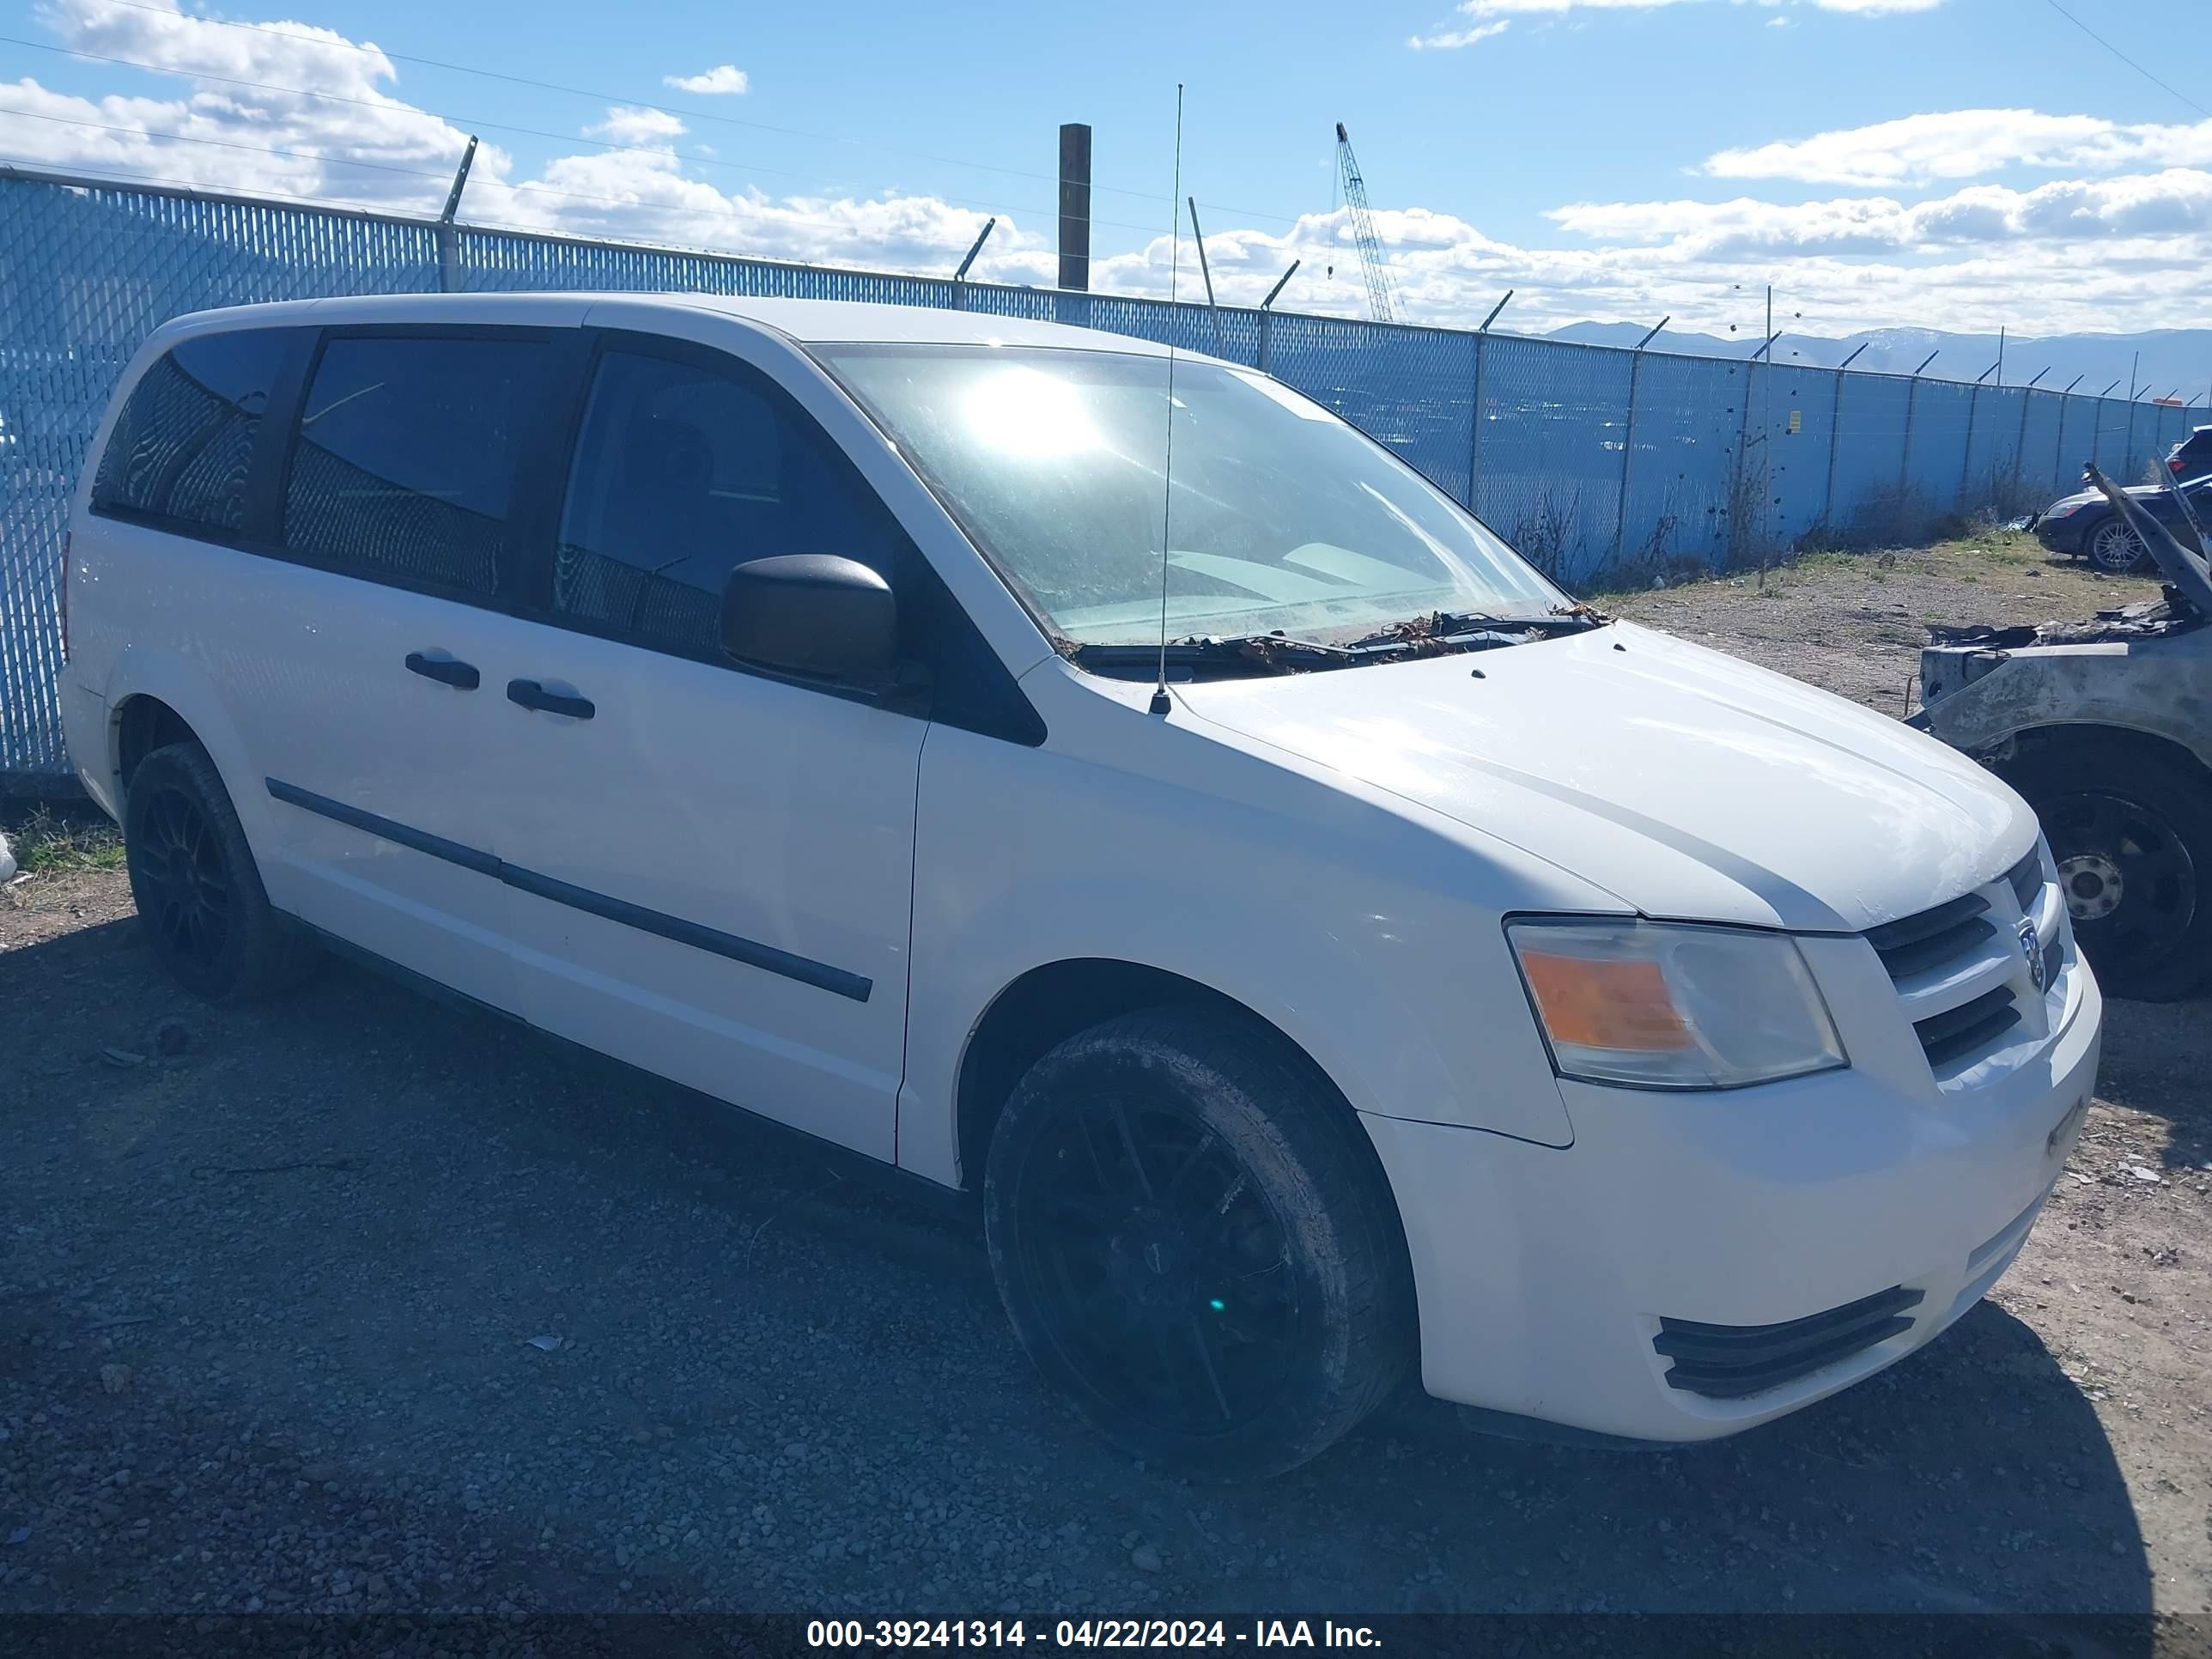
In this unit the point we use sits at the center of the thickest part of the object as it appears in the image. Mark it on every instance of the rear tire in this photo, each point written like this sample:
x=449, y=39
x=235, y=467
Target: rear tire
x=198, y=890
x=1196, y=1243
x=2115, y=548
x=2132, y=836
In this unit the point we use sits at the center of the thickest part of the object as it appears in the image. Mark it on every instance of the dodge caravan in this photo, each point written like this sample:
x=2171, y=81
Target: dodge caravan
x=1106, y=781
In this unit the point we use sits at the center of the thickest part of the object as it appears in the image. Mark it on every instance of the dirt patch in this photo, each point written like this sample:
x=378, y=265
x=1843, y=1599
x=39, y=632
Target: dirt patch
x=272, y=1286
x=1855, y=623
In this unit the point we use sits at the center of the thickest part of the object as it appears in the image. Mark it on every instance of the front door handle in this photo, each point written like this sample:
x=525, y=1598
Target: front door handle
x=461, y=675
x=531, y=694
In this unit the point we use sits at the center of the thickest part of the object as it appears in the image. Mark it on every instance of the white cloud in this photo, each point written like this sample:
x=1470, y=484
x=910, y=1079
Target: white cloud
x=2129, y=244
x=723, y=78
x=1446, y=39
x=624, y=126
x=1490, y=17
x=2175, y=202
x=1967, y=143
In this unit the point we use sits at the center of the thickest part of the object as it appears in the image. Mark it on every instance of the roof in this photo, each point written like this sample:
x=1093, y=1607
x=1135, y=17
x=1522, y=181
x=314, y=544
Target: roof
x=811, y=321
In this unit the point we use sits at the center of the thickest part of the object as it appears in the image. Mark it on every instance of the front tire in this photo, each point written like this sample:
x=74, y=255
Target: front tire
x=2115, y=548
x=198, y=890
x=1196, y=1244
x=2132, y=836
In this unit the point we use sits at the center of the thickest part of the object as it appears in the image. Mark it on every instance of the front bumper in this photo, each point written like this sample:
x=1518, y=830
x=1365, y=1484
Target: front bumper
x=1544, y=1274
x=2061, y=535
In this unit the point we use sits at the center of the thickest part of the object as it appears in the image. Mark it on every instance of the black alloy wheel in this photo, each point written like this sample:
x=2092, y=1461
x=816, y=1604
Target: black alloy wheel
x=1196, y=1243
x=1161, y=1272
x=198, y=890
x=178, y=877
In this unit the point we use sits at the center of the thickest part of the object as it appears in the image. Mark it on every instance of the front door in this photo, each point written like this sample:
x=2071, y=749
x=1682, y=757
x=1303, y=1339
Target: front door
x=711, y=874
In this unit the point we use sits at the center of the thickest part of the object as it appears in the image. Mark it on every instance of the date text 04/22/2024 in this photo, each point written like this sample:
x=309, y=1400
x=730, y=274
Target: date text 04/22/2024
x=824, y=1634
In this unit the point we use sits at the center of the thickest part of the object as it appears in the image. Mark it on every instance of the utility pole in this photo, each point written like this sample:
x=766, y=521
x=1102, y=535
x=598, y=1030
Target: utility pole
x=1075, y=207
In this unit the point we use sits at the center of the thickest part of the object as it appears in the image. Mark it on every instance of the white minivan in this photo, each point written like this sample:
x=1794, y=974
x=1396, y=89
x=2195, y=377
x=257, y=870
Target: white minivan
x=1403, y=965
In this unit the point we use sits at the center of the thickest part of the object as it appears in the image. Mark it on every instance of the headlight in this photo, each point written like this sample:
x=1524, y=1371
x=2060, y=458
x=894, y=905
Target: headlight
x=2064, y=509
x=1666, y=1005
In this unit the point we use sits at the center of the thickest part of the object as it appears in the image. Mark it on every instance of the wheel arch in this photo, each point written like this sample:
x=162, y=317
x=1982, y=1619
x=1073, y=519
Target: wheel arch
x=1046, y=1005
x=140, y=724
x=2097, y=740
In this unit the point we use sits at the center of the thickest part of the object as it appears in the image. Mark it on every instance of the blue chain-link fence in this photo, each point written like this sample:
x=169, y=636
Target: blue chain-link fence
x=1599, y=463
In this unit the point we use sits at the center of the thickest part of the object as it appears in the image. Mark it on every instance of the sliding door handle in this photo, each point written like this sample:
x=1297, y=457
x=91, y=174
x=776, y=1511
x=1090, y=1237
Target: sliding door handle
x=461, y=675
x=531, y=694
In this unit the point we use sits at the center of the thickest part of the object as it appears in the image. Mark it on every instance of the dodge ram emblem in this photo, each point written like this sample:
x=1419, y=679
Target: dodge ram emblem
x=2028, y=949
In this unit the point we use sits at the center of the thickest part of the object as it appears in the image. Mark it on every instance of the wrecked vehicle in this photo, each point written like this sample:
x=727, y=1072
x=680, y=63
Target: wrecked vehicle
x=2106, y=727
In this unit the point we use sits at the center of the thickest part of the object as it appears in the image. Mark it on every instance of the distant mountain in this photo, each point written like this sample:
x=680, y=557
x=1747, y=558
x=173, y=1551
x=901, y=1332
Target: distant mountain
x=2171, y=357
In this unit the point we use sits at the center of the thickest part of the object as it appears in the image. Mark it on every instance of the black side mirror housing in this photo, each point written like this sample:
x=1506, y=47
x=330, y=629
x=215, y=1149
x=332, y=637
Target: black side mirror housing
x=813, y=615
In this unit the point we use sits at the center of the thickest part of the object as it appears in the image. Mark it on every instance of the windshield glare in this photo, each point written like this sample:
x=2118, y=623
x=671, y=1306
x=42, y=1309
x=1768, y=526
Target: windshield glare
x=1282, y=518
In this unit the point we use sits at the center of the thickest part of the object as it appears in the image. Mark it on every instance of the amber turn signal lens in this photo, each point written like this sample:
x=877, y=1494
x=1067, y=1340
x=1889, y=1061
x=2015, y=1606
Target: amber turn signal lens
x=1621, y=1005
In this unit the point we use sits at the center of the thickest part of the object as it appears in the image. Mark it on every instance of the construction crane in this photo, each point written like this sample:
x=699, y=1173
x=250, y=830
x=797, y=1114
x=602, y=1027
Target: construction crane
x=1363, y=230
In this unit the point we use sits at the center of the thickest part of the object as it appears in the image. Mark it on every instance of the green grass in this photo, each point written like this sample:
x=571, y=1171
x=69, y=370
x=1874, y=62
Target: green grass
x=62, y=843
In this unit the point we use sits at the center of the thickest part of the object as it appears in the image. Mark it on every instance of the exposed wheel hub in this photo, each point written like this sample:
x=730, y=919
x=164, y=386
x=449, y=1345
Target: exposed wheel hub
x=2093, y=886
x=1152, y=1262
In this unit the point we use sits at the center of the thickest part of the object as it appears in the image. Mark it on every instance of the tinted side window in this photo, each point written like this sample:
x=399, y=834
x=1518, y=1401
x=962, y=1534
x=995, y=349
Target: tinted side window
x=181, y=447
x=408, y=453
x=683, y=471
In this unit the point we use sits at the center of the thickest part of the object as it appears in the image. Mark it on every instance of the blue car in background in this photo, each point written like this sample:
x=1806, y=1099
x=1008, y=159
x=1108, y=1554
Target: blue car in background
x=2086, y=527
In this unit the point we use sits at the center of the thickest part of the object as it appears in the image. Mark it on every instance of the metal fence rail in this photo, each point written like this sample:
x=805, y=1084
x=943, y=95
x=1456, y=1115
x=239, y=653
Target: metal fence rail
x=1597, y=462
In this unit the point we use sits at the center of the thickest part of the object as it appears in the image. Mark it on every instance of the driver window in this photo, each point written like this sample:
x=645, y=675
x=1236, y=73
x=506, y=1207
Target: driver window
x=681, y=472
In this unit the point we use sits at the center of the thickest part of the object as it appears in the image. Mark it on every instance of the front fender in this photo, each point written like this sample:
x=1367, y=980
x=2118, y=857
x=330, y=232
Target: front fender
x=2133, y=687
x=1400, y=988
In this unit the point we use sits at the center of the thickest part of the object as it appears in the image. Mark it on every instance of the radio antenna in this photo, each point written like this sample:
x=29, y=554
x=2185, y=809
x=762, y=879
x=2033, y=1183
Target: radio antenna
x=1161, y=704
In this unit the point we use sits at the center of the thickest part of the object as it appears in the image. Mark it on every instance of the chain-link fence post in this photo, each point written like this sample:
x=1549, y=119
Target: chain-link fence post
x=1905, y=453
x=1475, y=424
x=1835, y=437
x=1967, y=460
x=1628, y=455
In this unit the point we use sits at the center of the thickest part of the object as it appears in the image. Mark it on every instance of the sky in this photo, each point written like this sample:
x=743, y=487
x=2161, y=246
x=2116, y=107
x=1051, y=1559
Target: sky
x=1953, y=164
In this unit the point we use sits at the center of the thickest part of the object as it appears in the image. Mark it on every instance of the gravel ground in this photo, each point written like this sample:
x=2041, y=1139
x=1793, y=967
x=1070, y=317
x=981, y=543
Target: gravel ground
x=354, y=1302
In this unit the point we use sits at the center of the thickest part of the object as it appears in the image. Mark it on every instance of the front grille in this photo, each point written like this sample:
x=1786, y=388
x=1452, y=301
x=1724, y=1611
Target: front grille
x=1728, y=1362
x=1917, y=944
x=1955, y=965
x=1962, y=1030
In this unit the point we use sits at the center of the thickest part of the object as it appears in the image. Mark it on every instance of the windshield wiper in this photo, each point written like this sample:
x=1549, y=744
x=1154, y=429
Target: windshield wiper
x=1442, y=628
x=1266, y=651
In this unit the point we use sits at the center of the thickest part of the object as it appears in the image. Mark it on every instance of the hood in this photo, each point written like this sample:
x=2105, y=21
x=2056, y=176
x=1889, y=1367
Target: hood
x=2081, y=498
x=1688, y=784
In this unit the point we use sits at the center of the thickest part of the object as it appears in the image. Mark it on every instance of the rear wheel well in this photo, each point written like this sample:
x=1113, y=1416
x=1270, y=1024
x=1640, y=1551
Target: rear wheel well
x=144, y=724
x=1046, y=1007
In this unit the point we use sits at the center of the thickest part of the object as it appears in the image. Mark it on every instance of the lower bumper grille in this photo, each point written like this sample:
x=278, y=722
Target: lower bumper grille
x=1728, y=1362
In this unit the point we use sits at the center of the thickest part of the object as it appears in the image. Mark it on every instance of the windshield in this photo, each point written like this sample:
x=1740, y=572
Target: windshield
x=1283, y=518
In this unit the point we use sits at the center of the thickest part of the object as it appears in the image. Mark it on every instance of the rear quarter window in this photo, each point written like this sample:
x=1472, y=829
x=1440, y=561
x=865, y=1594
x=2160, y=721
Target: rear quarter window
x=182, y=444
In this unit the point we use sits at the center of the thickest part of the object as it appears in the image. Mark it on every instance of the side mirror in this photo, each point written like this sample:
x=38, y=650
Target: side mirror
x=811, y=615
